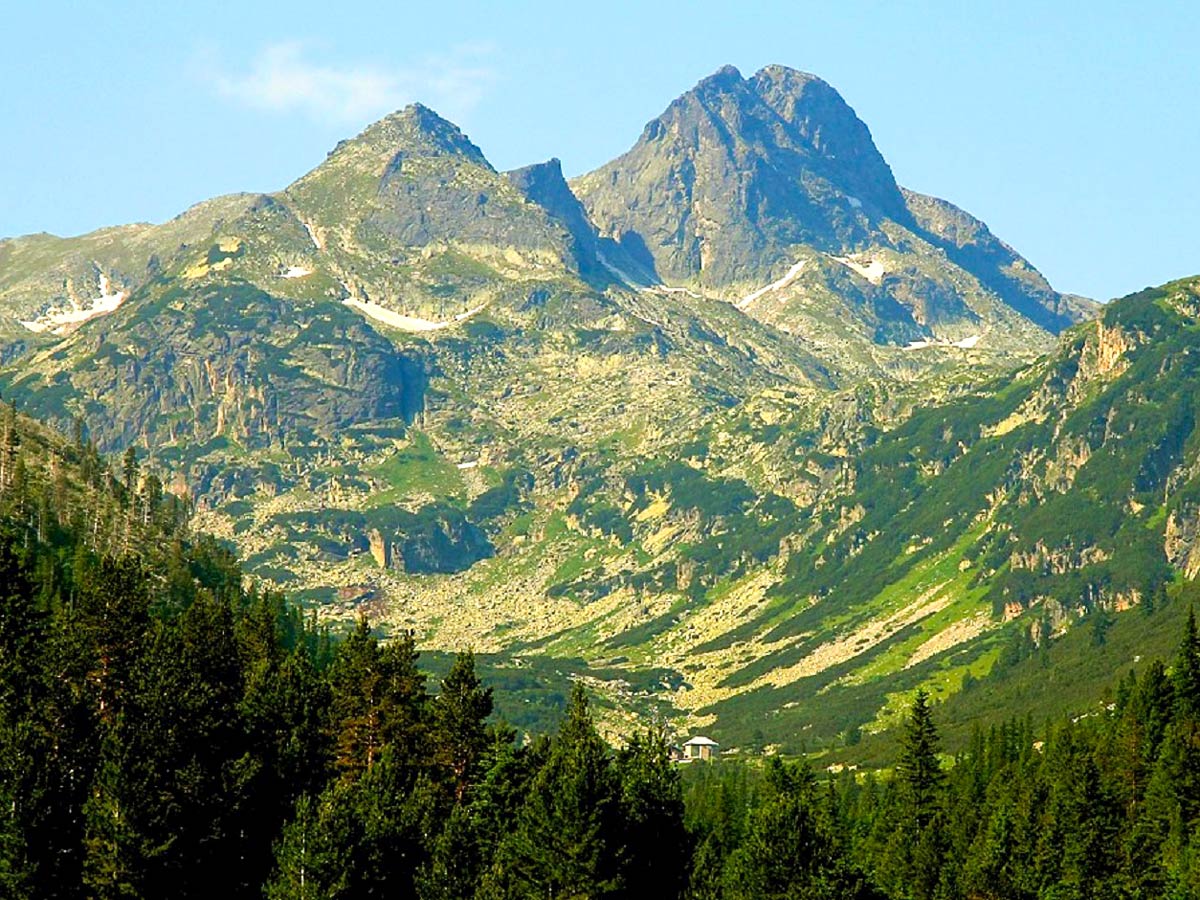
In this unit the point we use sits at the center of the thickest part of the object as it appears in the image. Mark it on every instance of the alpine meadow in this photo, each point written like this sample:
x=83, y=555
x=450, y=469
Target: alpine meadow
x=727, y=522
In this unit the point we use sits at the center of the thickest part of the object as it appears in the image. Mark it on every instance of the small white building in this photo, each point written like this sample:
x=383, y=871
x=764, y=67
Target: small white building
x=700, y=747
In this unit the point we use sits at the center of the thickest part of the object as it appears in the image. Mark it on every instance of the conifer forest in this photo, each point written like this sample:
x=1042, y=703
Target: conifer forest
x=168, y=731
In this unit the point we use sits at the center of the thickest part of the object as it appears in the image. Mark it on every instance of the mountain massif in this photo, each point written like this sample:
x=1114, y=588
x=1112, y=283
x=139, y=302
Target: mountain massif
x=774, y=181
x=734, y=428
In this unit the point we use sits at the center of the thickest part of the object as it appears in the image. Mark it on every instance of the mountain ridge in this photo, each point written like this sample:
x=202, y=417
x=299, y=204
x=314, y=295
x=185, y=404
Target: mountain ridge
x=738, y=179
x=463, y=401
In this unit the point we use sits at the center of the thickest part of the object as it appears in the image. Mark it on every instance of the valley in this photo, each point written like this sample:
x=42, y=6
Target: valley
x=735, y=430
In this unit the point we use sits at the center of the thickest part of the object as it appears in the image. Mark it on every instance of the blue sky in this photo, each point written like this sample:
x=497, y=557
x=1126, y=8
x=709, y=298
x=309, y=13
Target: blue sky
x=1073, y=129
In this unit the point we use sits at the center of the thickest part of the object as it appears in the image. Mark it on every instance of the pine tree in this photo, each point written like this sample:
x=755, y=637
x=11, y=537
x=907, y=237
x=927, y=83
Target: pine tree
x=312, y=858
x=457, y=861
x=567, y=836
x=1187, y=671
x=788, y=852
x=10, y=441
x=194, y=749
x=1102, y=622
x=1148, y=849
x=23, y=636
x=912, y=863
x=1140, y=730
x=717, y=801
x=404, y=704
x=377, y=700
x=129, y=472
x=993, y=868
x=114, y=866
x=497, y=800
x=1092, y=823
x=111, y=619
x=285, y=702
x=657, y=847
x=396, y=819
x=460, y=711
x=16, y=866
x=918, y=769
x=360, y=838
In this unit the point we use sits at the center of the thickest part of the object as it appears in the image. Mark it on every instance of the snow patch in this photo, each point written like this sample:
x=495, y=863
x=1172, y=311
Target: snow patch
x=966, y=343
x=872, y=270
x=467, y=465
x=629, y=280
x=791, y=275
x=296, y=272
x=854, y=201
x=405, y=323
x=58, y=320
x=639, y=285
x=312, y=236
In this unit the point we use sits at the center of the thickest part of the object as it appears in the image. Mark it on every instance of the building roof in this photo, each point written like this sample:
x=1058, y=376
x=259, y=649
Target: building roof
x=700, y=741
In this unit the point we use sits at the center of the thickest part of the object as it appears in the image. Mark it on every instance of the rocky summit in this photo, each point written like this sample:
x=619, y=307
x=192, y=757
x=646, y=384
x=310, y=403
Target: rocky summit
x=769, y=190
x=734, y=428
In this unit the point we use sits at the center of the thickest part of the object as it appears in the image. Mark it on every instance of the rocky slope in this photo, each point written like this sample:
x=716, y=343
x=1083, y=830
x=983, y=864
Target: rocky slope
x=51, y=285
x=1065, y=491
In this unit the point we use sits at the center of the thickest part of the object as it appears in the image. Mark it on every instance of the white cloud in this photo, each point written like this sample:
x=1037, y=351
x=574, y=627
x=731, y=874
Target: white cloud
x=284, y=78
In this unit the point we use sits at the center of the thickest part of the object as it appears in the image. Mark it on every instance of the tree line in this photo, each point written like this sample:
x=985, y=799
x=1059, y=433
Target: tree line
x=166, y=731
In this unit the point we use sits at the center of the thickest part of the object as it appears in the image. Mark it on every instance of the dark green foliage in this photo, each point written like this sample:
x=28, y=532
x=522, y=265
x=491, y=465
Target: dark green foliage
x=913, y=839
x=1102, y=807
x=228, y=748
x=918, y=770
x=565, y=840
x=312, y=856
x=1187, y=671
x=377, y=701
x=457, y=859
x=657, y=847
x=460, y=711
x=790, y=851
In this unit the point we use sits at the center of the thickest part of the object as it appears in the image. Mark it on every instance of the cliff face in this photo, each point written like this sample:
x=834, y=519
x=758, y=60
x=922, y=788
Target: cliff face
x=226, y=362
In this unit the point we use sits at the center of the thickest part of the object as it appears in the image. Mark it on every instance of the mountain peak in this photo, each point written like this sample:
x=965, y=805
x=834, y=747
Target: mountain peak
x=773, y=78
x=422, y=117
x=543, y=184
x=740, y=179
x=775, y=73
x=752, y=168
x=415, y=130
x=550, y=169
x=540, y=181
x=724, y=78
x=418, y=130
